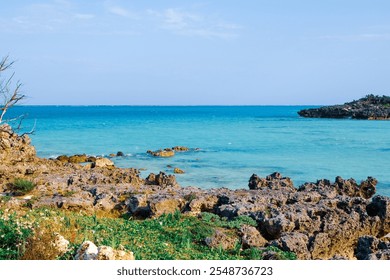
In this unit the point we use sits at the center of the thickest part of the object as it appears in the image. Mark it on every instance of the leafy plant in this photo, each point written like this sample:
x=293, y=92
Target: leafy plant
x=13, y=236
x=22, y=186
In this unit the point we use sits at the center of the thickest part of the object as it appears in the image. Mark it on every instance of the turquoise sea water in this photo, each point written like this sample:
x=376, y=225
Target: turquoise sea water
x=234, y=142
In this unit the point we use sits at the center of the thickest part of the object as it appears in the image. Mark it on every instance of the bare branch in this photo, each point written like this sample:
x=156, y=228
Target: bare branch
x=10, y=97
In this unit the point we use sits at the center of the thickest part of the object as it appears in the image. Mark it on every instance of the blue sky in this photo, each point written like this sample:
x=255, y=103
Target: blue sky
x=197, y=52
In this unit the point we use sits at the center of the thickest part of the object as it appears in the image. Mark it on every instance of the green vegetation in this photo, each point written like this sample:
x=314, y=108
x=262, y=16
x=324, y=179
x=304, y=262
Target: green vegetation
x=22, y=186
x=171, y=236
x=14, y=234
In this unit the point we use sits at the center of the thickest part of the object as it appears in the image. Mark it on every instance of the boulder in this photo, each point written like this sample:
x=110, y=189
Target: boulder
x=251, y=237
x=295, y=242
x=86, y=251
x=102, y=162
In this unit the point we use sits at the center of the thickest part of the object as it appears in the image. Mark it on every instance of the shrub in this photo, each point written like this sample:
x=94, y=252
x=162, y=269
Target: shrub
x=22, y=186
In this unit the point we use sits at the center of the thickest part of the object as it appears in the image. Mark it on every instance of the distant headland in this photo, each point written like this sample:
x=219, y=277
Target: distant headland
x=370, y=107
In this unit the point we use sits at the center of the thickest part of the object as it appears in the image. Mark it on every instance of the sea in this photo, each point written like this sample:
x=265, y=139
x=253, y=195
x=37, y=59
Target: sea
x=228, y=143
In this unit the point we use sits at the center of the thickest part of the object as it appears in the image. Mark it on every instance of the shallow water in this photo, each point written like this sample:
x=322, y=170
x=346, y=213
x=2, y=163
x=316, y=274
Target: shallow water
x=234, y=141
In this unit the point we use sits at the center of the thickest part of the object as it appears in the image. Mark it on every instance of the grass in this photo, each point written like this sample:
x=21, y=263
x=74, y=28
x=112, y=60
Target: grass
x=171, y=236
x=14, y=233
x=21, y=186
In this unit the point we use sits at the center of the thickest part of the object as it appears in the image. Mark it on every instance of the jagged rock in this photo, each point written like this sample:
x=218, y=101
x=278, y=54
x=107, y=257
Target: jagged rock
x=320, y=246
x=278, y=225
x=221, y=239
x=15, y=148
x=164, y=204
x=161, y=179
x=138, y=205
x=251, y=237
x=273, y=181
x=372, y=248
x=370, y=108
x=203, y=203
x=294, y=242
x=162, y=153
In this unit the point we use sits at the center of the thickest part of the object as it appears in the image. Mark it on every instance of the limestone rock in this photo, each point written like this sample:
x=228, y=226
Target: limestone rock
x=162, y=180
x=102, y=162
x=221, y=239
x=273, y=181
x=251, y=237
x=60, y=244
x=294, y=242
x=87, y=251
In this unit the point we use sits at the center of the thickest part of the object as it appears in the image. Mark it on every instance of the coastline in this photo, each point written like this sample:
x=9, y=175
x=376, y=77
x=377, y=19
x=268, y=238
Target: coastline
x=321, y=220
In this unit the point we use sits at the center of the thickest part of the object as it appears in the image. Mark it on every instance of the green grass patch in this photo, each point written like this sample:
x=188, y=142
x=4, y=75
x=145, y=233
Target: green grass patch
x=169, y=237
x=14, y=234
x=21, y=186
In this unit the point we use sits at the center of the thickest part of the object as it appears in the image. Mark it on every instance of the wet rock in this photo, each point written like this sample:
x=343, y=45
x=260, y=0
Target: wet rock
x=78, y=158
x=120, y=154
x=178, y=171
x=162, y=153
x=180, y=149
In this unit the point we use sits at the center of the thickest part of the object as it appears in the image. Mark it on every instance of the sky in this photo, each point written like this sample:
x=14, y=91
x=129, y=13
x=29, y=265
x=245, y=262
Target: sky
x=253, y=52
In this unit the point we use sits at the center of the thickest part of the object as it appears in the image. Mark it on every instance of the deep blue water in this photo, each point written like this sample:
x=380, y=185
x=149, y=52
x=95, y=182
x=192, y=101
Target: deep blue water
x=234, y=141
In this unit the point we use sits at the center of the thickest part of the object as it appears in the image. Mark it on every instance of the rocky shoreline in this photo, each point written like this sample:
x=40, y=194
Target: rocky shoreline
x=368, y=108
x=343, y=219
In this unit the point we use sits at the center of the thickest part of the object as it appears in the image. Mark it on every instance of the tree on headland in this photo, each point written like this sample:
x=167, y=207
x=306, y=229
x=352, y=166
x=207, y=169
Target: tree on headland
x=10, y=93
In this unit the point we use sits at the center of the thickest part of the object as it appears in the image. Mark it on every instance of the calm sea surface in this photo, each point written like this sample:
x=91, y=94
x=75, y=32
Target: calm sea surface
x=234, y=142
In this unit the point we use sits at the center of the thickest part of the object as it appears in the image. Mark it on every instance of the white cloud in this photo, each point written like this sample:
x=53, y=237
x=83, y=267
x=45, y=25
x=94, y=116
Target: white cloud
x=190, y=24
x=119, y=11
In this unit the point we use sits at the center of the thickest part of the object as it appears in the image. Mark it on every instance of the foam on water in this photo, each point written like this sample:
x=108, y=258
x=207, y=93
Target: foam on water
x=234, y=141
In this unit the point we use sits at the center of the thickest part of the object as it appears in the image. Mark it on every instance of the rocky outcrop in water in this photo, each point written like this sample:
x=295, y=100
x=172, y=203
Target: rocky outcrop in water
x=368, y=108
